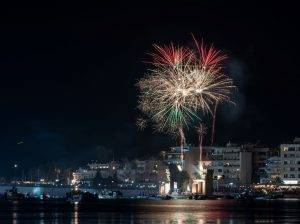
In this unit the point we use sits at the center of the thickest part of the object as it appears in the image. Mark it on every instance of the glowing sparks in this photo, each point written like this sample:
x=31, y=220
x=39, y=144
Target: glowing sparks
x=141, y=123
x=208, y=87
x=208, y=56
x=171, y=55
x=165, y=90
x=183, y=85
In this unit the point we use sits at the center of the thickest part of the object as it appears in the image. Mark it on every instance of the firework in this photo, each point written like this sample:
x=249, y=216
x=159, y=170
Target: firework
x=182, y=86
x=171, y=55
x=201, y=130
x=209, y=87
x=208, y=56
x=213, y=123
x=165, y=90
x=141, y=123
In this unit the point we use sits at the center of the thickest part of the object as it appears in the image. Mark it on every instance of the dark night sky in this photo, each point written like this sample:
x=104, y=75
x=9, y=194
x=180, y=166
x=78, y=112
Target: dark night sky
x=68, y=75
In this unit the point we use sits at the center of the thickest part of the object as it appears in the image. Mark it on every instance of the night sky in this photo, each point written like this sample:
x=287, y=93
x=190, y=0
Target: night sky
x=68, y=76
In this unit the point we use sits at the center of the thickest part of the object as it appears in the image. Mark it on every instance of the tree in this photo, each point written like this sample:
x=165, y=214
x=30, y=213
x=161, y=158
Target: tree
x=258, y=174
x=184, y=179
x=209, y=182
x=278, y=181
x=181, y=177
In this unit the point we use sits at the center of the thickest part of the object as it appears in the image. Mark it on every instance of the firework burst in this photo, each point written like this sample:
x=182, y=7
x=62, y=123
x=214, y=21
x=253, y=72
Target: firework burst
x=171, y=55
x=209, y=87
x=165, y=90
x=208, y=56
x=182, y=86
x=178, y=87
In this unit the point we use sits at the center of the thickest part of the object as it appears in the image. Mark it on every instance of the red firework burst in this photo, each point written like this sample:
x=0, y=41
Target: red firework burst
x=170, y=55
x=209, y=57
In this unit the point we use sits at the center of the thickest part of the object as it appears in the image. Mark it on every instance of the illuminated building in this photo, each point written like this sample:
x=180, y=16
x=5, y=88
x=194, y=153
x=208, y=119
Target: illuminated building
x=227, y=164
x=86, y=175
x=172, y=156
x=191, y=166
x=83, y=176
x=290, y=156
x=231, y=165
x=106, y=169
x=260, y=155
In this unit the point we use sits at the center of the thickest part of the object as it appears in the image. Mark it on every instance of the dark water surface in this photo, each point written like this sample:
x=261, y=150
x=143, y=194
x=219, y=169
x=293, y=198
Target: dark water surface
x=142, y=211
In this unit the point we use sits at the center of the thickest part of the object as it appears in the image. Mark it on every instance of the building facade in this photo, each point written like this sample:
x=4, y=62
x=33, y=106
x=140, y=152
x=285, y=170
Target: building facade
x=231, y=165
x=290, y=157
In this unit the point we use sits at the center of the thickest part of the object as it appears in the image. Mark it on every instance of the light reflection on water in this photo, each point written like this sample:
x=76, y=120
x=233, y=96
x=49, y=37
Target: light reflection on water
x=200, y=212
x=75, y=219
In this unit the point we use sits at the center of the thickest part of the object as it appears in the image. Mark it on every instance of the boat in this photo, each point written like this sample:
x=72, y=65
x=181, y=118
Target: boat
x=13, y=195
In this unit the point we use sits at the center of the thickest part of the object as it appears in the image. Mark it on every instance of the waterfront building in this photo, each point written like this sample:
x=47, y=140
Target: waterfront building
x=83, y=176
x=126, y=173
x=105, y=169
x=172, y=156
x=260, y=155
x=290, y=156
x=152, y=170
x=231, y=165
x=245, y=176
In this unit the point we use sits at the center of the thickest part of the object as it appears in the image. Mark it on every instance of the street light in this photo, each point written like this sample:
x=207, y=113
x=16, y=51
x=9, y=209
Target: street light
x=218, y=178
x=179, y=167
x=15, y=169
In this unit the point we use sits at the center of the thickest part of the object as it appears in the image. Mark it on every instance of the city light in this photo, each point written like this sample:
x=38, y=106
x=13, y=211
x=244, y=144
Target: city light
x=179, y=167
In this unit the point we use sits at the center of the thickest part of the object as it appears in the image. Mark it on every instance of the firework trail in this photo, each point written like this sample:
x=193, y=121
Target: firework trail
x=209, y=58
x=201, y=130
x=212, y=138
